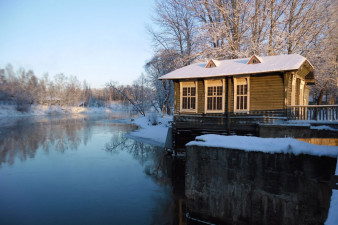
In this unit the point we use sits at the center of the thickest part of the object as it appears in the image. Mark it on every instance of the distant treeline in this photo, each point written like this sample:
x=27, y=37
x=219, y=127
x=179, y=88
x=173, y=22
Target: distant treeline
x=23, y=88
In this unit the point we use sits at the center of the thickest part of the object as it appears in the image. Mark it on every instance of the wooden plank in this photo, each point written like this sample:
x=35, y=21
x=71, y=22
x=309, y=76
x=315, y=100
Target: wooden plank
x=266, y=92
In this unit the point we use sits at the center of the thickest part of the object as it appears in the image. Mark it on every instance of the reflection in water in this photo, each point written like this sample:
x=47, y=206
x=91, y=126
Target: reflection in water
x=87, y=186
x=157, y=165
x=95, y=186
x=237, y=187
x=21, y=138
x=24, y=138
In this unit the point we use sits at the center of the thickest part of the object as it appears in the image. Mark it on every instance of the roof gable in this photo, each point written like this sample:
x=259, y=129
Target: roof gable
x=255, y=59
x=212, y=63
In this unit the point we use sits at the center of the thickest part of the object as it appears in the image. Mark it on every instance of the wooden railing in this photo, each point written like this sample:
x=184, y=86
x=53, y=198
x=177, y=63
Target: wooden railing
x=313, y=112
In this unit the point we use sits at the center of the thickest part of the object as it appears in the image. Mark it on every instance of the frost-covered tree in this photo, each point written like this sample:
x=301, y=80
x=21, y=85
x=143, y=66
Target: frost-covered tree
x=176, y=29
x=324, y=57
x=162, y=63
x=225, y=29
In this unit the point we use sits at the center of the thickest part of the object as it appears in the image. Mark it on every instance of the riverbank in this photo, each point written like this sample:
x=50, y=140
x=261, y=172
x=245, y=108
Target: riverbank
x=42, y=110
x=153, y=129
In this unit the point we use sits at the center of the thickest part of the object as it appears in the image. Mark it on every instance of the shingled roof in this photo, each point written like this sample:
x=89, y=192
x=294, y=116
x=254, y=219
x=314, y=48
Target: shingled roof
x=238, y=67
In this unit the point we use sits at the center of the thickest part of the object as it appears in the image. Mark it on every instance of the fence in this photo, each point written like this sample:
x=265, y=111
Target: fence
x=313, y=112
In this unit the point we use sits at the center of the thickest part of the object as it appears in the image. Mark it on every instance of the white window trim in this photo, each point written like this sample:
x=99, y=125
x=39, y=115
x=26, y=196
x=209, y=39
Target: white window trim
x=301, y=92
x=188, y=84
x=208, y=83
x=293, y=89
x=235, y=94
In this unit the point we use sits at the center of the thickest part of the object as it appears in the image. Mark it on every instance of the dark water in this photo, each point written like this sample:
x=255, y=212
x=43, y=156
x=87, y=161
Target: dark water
x=80, y=171
x=83, y=170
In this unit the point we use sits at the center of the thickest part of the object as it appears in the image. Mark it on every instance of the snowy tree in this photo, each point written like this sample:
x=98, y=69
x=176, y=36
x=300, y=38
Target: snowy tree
x=226, y=29
x=176, y=30
x=159, y=65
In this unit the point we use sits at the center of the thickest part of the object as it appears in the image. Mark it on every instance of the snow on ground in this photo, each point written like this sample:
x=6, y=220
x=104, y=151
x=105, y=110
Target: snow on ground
x=332, y=218
x=36, y=110
x=268, y=145
x=152, y=134
x=323, y=127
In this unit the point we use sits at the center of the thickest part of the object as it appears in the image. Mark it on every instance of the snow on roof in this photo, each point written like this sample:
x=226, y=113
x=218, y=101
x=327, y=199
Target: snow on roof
x=267, y=145
x=238, y=67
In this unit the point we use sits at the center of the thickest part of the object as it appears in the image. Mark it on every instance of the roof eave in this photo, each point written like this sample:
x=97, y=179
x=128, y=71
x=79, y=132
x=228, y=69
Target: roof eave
x=225, y=75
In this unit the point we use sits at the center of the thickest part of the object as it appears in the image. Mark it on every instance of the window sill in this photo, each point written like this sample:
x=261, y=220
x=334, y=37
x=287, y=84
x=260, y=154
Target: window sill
x=215, y=111
x=189, y=111
x=246, y=111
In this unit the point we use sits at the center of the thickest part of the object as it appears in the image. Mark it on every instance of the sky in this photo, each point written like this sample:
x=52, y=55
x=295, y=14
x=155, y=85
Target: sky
x=96, y=40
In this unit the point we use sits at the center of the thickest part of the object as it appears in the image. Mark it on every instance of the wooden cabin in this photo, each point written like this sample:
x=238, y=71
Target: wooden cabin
x=226, y=94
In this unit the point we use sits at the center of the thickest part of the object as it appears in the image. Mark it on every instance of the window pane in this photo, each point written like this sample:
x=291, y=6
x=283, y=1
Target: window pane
x=193, y=103
x=184, y=91
x=188, y=107
x=209, y=105
x=237, y=103
x=219, y=90
x=209, y=91
x=245, y=89
x=184, y=103
x=242, y=102
x=219, y=103
x=193, y=91
x=245, y=102
x=238, y=89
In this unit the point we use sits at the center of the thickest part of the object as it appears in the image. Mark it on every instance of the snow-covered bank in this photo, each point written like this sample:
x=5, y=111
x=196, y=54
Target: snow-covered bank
x=332, y=218
x=152, y=134
x=38, y=110
x=268, y=145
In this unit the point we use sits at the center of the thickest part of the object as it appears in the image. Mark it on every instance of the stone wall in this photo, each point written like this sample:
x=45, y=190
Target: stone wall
x=238, y=187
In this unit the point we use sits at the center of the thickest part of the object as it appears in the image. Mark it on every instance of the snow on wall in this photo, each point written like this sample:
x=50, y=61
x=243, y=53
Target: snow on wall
x=268, y=145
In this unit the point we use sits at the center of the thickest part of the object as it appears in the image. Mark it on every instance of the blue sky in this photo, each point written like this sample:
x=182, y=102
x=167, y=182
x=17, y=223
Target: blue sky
x=95, y=40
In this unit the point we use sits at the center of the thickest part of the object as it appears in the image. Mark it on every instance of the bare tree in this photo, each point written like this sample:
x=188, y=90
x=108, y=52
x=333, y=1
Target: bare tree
x=176, y=30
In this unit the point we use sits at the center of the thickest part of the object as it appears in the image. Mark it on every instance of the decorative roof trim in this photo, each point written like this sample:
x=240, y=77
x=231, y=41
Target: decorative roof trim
x=213, y=63
x=255, y=59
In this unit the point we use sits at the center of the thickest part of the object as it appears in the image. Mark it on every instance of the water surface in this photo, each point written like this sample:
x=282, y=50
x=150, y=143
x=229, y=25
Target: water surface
x=79, y=171
x=83, y=170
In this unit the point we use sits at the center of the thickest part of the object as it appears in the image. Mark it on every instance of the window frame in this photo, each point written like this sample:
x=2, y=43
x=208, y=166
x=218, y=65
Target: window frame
x=239, y=81
x=188, y=84
x=214, y=83
x=293, y=89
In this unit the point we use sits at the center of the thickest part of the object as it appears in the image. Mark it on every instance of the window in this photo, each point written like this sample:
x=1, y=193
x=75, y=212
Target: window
x=188, y=96
x=214, y=99
x=241, y=89
x=214, y=96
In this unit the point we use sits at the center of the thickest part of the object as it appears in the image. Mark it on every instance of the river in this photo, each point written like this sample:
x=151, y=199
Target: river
x=83, y=170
